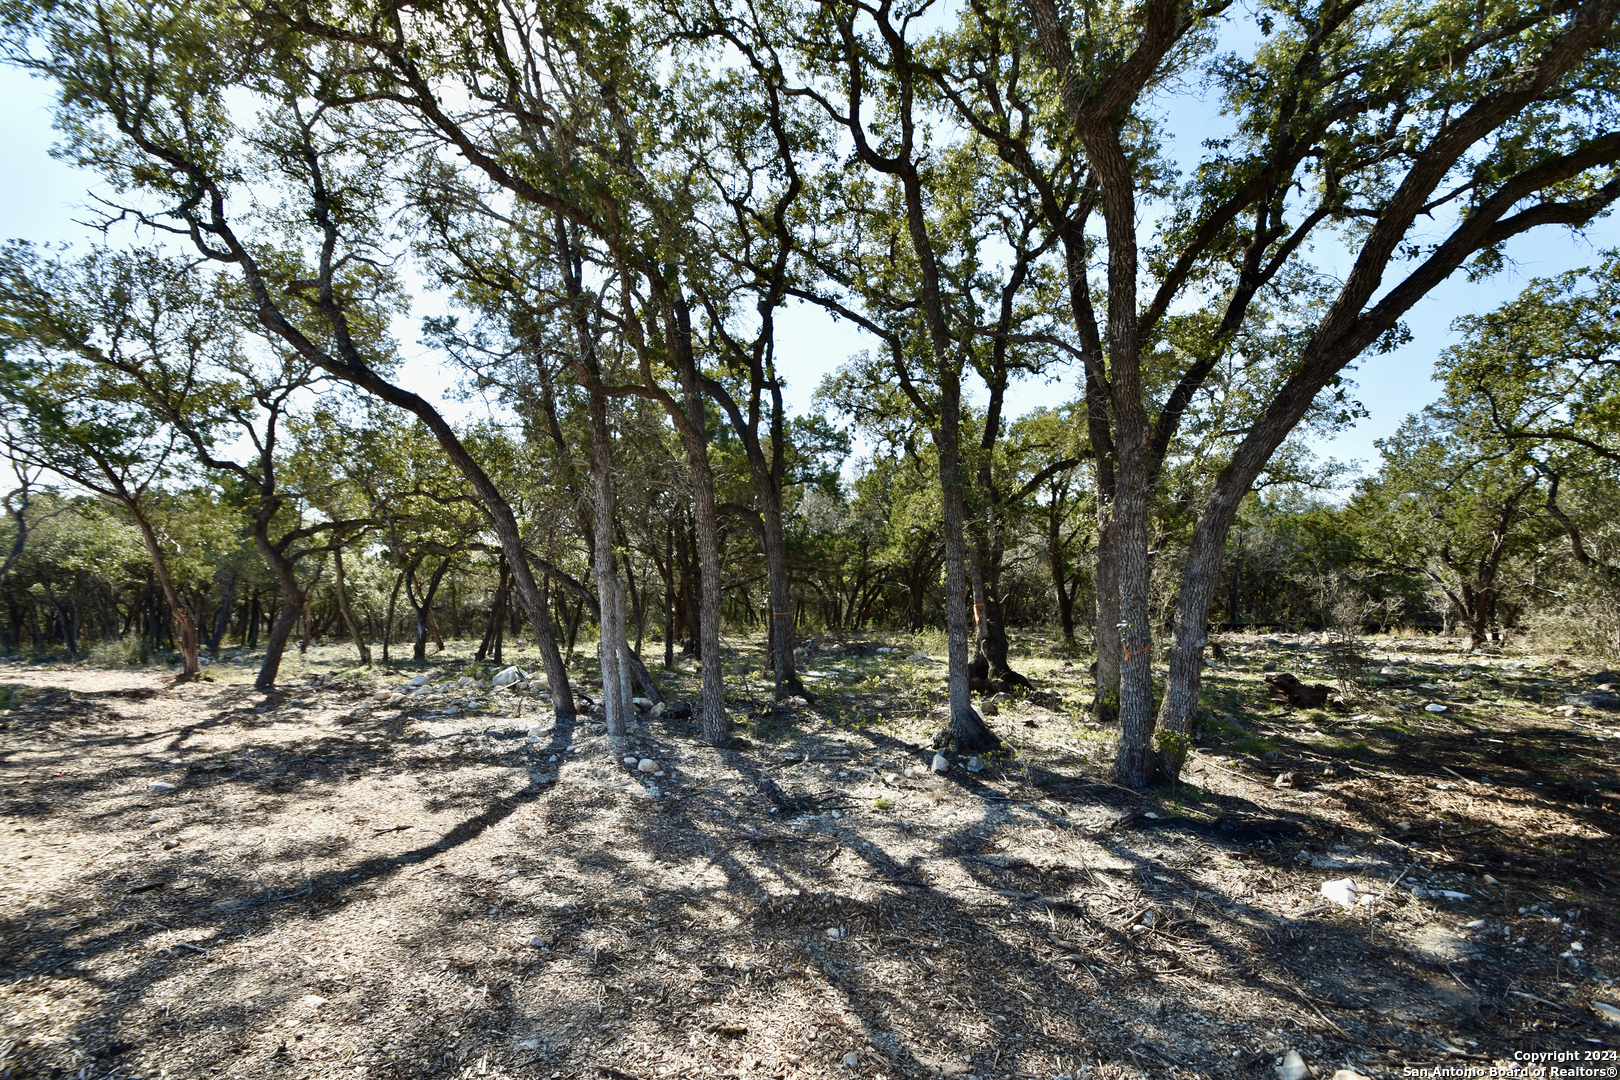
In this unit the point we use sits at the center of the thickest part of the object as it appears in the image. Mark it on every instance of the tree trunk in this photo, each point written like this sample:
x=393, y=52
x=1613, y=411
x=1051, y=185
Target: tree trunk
x=966, y=730
x=388, y=619
x=185, y=625
x=222, y=618
x=1136, y=761
x=254, y=618
x=310, y=626
x=1061, y=591
x=497, y=618
x=360, y=644
x=423, y=607
x=706, y=522
x=292, y=599
x=669, y=599
x=610, y=612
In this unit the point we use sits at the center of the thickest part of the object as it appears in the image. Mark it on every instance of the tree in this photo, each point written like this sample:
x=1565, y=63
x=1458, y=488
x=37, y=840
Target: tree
x=143, y=100
x=1453, y=504
x=1366, y=121
x=68, y=336
x=1543, y=371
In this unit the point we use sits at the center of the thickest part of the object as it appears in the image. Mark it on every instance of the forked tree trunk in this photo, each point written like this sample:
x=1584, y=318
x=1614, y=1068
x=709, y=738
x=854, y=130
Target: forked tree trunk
x=491, y=645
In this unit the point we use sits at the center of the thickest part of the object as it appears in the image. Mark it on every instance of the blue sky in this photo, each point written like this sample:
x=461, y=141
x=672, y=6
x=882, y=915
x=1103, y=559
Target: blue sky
x=40, y=198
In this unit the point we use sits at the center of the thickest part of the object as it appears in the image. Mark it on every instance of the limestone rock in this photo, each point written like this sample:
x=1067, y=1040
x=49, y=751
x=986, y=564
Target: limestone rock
x=1341, y=892
x=1293, y=1067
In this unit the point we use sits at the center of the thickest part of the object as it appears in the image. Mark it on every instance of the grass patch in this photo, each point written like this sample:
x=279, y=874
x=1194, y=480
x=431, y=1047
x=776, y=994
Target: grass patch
x=1253, y=746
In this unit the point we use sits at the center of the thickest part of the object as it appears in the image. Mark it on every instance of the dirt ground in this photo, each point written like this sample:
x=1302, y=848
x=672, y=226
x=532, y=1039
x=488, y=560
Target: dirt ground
x=210, y=881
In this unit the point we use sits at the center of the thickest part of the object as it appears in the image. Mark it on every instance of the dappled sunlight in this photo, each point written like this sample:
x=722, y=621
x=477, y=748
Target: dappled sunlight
x=342, y=888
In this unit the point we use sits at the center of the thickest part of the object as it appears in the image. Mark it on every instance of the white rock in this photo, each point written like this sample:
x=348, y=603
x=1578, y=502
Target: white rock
x=658, y=709
x=1342, y=891
x=396, y=698
x=641, y=702
x=159, y=785
x=835, y=932
x=1348, y=1074
x=420, y=680
x=852, y=1061
x=631, y=760
x=1434, y=707
x=942, y=764
x=1293, y=1067
x=648, y=765
x=537, y=942
x=1607, y=1011
x=508, y=677
x=975, y=765
x=383, y=695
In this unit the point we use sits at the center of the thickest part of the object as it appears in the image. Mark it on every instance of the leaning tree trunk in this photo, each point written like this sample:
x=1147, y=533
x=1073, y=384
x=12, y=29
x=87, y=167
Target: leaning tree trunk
x=185, y=627
x=292, y=606
x=338, y=586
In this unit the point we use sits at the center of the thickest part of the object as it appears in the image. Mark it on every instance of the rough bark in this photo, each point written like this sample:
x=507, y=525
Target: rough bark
x=966, y=730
